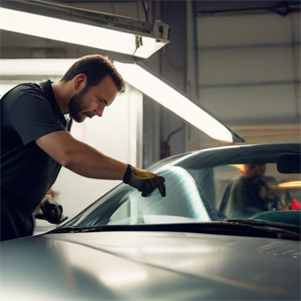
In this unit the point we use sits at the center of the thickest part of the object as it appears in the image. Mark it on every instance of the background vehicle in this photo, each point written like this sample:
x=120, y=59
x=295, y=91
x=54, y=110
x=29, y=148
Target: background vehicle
x=187, y=246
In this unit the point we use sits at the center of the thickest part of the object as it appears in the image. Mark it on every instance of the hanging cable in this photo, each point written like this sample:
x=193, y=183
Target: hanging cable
x=165, y=146
x=113, y=6
x=145, y=10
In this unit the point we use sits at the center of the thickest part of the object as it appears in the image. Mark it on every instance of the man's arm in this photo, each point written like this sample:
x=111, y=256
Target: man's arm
x=85, y=160
x=49, y=194
x=81, y=158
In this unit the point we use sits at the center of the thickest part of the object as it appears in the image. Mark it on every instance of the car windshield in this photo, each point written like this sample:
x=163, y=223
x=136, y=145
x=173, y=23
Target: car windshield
x=203, y=187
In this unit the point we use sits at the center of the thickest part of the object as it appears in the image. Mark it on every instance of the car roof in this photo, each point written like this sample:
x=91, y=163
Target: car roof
x=232, y=154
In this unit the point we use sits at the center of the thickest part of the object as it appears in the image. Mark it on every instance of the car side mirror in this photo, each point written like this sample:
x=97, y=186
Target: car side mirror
x=289, y=164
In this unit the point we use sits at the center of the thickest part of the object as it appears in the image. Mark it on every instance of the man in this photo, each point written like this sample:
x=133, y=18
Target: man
x=35, y=142
x=249, y=193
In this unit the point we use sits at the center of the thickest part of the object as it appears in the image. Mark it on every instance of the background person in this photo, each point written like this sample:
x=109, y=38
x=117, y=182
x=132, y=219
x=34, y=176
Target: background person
x=250, y=193
x=35, y=142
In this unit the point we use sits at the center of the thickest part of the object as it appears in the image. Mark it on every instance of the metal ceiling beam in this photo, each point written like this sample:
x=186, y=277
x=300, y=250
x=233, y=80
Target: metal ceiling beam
x=282, y=7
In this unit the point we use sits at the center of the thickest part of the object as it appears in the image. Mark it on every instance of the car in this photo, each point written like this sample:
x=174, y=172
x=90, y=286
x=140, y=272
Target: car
x=193, y=244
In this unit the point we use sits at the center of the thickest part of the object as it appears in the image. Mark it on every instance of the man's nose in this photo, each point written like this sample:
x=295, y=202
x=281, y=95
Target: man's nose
x=99, y=110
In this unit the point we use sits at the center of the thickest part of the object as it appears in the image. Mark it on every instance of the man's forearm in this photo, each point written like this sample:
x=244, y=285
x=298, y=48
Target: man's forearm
x=89, y=162
x=81, y=158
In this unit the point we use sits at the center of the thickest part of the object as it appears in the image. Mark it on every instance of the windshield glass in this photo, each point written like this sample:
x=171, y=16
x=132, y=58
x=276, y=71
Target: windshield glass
x=125, y=205
x=198, y=190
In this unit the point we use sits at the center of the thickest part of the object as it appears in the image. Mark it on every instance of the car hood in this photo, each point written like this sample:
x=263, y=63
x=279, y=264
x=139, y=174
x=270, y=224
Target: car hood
x=149, y=265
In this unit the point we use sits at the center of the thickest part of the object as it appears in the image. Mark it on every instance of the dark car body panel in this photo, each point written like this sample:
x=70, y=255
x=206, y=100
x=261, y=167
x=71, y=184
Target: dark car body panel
x=150, y=265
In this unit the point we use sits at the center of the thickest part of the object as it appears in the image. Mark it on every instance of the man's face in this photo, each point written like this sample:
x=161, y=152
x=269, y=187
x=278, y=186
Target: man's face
x=92, y=102
x=254, y=170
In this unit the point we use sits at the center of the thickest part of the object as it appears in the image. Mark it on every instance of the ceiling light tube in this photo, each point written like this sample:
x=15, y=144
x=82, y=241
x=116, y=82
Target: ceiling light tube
x=173, y=100
x=139, y=78
x=78, y=33
x=34, y=67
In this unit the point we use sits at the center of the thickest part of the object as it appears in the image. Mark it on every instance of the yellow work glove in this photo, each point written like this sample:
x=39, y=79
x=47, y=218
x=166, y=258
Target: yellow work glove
x=144, y=181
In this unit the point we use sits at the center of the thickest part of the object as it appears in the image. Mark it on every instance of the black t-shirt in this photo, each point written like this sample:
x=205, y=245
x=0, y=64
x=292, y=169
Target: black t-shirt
x=27, y=113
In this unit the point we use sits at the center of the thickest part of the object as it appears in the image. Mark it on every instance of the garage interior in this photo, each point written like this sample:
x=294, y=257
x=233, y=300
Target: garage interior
x=239, y=60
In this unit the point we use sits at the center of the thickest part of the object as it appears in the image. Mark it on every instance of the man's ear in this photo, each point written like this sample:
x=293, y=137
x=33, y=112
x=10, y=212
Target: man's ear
x=79, y=82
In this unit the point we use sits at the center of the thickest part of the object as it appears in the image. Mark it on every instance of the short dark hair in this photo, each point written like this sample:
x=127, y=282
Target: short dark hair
x=96, y=67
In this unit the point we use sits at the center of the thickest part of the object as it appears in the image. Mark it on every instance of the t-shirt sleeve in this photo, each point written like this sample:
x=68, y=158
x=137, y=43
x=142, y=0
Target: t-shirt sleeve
x=32, y=117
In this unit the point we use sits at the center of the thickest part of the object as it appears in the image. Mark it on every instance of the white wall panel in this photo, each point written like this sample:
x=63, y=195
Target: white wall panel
x=252, y=104
x=296, y=27
x=296, y=62
x=249, y=66
x=246, y=65
x=298, y=102
x=5, y=87
x=246, y=29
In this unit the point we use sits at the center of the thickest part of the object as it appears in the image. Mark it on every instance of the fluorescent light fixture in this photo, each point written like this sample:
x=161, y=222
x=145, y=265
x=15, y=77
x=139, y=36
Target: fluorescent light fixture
x=34, y=67
x=81, y=34
x=168, y=97
x=136, y=76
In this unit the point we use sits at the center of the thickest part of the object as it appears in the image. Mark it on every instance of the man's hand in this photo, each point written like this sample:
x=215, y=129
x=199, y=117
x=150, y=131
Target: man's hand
x=144, y=181
x=51, y=211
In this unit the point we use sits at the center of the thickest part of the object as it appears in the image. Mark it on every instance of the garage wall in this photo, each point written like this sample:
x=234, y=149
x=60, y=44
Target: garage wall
x=249, y=69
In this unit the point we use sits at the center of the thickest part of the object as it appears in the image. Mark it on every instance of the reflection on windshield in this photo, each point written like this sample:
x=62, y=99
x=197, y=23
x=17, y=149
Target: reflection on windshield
x=257, y=191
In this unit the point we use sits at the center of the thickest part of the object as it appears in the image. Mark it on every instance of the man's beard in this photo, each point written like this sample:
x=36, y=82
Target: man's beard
x=75, y=106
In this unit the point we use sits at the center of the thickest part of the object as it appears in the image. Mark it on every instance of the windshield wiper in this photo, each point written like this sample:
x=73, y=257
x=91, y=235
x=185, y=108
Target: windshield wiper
x=227, y=227
x=282, y=229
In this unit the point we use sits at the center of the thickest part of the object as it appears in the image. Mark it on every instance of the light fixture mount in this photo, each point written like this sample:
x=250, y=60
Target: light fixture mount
x=56, y=21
